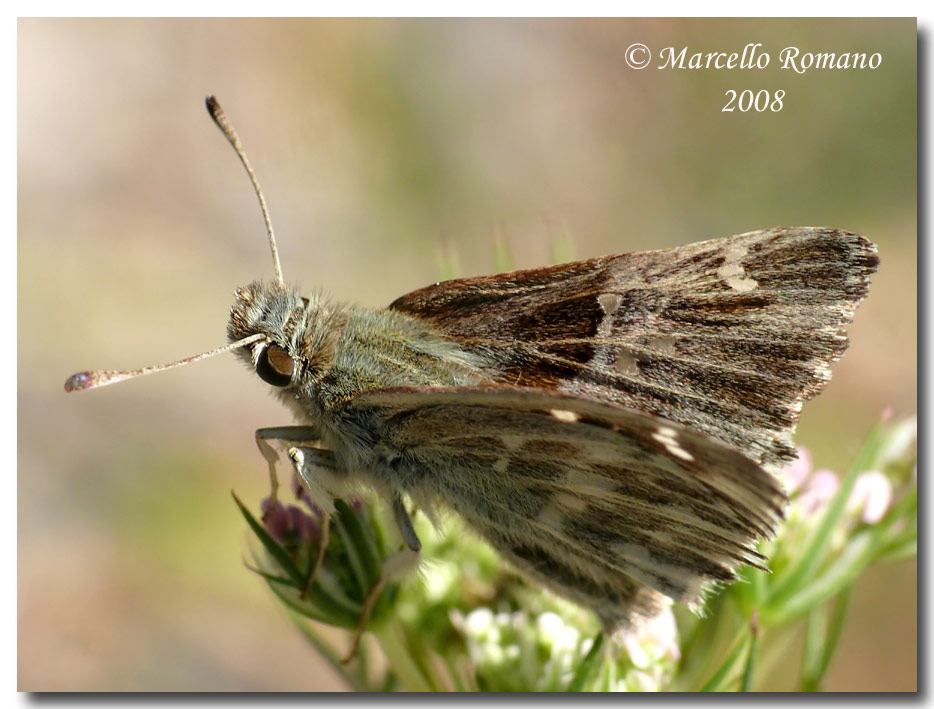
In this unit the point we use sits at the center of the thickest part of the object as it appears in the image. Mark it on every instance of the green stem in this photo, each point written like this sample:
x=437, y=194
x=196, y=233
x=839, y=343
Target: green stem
x=585, y=668
x=860, y=551
x=722, y=628
x=750, y=670
x=719, y=677
x=327, y=652
x=817, y=547
x=401, y=662
x=821, y=641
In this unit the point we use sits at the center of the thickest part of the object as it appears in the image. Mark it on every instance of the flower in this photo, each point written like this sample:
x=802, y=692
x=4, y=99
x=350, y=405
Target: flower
x=819, y=489
x=330, y=571
x=797, y=471
x=812, y=490
x=655, y=639
x=290, y=525
x=871, y=497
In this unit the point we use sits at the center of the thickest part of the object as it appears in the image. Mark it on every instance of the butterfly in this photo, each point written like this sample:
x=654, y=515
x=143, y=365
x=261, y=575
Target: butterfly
x=612, y=427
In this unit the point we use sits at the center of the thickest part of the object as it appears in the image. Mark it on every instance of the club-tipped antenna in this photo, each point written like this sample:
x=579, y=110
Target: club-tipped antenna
x=103, y=377
x=220, y=118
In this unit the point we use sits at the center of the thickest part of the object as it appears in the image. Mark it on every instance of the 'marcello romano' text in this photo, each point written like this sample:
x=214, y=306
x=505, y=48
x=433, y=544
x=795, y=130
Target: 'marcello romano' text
x=753, y=56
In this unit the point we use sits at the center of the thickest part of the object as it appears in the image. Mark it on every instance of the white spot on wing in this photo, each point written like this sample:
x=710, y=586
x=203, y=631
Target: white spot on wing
x=606, y=354
x=733, y=273
x=730, y=270
x=625, y=363
x=609, y=303
x=679, y=452
x=743, y=285
x=565, y=415
x=668, y=437
x=662, y=344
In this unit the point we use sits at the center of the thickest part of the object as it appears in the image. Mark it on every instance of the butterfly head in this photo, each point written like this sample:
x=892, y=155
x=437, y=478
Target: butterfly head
x=279, y=314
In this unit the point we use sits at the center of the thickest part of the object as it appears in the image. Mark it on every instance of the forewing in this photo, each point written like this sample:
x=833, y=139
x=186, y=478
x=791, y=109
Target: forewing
x=728, y=337
x=605, y=505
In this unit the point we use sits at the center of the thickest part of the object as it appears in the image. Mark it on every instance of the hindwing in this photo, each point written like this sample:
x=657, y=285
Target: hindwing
x=608, y=506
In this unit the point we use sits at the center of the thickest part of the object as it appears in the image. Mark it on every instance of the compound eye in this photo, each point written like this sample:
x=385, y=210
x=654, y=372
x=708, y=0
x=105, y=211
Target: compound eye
x=274, y=366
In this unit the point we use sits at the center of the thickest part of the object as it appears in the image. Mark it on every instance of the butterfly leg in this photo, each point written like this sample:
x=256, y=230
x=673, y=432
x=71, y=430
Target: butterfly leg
x=311, y=464
x=307, y=462
x=404, y=523
x=287, y=434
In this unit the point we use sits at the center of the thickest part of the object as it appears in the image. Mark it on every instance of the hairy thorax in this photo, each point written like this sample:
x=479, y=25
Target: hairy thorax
x=340, y=351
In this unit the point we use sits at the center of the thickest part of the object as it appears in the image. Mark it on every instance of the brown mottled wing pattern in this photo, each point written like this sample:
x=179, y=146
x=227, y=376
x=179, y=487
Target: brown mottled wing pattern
x=728, y=337
x=605, y=505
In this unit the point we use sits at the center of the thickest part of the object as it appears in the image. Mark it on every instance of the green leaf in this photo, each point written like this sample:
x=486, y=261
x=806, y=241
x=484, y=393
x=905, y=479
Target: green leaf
x=330, y=607
x=821, y=641
x=861, y=550
x=904, y=549
x=719, y=678
x=814, y=638
x=750, y=669
x=585, y=668
x=410, y=672
x=358, y=545
x=270, y=544
x=272, y=578
x=816, y=549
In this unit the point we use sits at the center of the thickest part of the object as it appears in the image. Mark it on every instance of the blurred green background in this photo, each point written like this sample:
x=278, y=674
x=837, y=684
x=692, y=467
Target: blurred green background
x=377, y=144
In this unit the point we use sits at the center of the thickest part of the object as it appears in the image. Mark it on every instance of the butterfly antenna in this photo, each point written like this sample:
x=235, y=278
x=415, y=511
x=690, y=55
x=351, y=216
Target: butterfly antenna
x=103, y=377
x=220, y=118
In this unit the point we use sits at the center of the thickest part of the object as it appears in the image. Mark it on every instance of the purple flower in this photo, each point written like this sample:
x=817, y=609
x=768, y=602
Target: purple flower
x=797, y=471
x=871, y=496
x=818, y=490
x=290, y=524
